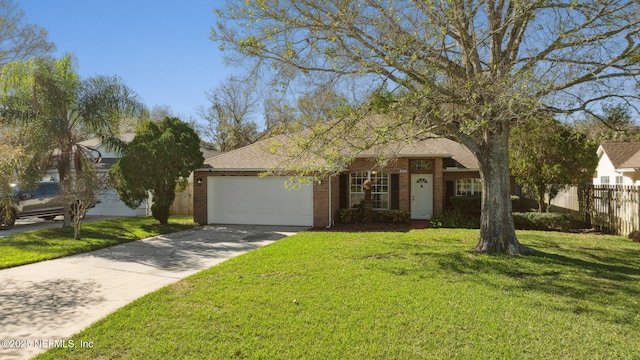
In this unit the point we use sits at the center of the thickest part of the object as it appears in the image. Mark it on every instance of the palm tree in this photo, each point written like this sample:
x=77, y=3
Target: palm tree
x=55, y=110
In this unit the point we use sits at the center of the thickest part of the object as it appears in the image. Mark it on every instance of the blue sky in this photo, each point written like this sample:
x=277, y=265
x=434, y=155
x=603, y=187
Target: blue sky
x=160, y=48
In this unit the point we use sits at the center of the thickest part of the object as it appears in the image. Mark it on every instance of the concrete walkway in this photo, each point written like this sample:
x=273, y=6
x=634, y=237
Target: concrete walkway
x=53, y=300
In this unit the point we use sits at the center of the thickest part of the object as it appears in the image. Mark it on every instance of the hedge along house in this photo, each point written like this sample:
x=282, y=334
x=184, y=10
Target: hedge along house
x=419, y=178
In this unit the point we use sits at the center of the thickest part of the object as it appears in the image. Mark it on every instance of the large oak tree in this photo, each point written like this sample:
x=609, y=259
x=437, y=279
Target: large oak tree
x=469, y=69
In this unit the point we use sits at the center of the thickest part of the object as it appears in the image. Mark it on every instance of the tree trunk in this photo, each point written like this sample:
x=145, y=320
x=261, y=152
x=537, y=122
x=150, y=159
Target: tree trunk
x=497, y=231
x=162, y=200
x=541, y=199
x=64, y=173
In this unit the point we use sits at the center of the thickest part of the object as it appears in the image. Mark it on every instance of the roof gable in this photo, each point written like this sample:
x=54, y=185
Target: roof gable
x=622, y=155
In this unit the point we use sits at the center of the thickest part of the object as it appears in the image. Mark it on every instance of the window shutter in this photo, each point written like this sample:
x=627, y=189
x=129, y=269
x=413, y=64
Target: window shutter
x=449, y=192
x=344, y=191
x=394, y=201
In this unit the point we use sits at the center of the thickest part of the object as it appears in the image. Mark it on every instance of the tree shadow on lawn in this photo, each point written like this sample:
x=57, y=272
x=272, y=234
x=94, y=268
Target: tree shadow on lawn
x=595, y=276
x=112, y=229
x=188, y=250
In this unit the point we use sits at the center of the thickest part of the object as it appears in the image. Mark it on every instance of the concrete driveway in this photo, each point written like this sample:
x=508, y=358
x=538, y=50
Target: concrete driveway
x=35, y=223
x=43, y=304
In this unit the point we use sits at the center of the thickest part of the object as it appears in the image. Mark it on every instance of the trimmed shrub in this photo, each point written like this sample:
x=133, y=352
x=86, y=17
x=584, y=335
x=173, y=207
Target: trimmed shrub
x=522, y=221
x=472, y=204
x=349, y=216
x=356, y=216
x=469, y=205
x=545, y=221
x=392, y=216
x=455, y=219
x=634, y=236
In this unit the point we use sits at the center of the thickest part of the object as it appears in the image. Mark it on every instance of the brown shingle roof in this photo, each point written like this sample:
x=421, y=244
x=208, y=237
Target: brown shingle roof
x=623, y=155
x=261, y=155
x=252, y=157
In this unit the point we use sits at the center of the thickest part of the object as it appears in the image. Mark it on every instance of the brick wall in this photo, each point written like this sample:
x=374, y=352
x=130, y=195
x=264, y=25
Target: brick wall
x=200, y=197
x=401, y=166
x=397, y=166
x=438, y=187
x=321, y=189
x=321, y=216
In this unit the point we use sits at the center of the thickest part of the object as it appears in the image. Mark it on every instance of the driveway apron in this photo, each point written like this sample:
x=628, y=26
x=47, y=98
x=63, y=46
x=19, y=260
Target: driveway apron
x=44, y=304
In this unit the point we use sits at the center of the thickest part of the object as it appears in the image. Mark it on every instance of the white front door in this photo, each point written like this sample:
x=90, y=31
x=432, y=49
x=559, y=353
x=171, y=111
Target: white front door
x=421, y=196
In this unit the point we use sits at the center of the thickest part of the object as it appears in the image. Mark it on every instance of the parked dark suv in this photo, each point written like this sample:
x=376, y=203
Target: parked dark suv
x=45, y=202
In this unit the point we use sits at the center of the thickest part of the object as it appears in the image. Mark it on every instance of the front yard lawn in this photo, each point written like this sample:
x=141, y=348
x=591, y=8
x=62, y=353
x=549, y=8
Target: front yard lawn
x=45, y=244
x=415, y=295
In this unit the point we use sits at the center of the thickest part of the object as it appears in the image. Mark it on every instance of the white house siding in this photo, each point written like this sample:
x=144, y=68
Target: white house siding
x=110, y=204
x=606, y=168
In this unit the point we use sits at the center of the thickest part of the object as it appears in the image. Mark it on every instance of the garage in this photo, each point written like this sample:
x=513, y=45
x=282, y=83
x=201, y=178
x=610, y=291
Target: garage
x=258, y=200
x=111, y=205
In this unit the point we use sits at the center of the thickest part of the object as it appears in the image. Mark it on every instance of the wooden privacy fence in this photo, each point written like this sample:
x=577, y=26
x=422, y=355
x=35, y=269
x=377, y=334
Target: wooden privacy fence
x=183, y=203
x=613, y=208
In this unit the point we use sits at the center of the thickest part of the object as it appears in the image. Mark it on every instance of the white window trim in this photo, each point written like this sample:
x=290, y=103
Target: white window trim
x=475, y=182
x=366, y=175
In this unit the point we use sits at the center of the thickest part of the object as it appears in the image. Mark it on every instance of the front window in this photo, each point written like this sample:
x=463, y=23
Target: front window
x=468, y=187
x=604, y=180
x=618, y=180
x=379, y=188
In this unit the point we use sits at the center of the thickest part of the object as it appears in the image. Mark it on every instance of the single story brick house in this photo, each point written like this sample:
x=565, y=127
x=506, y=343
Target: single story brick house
x=420, y=179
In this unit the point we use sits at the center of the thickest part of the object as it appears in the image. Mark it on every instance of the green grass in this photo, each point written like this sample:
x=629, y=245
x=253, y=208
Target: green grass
x=38, y=245
x=414, y=295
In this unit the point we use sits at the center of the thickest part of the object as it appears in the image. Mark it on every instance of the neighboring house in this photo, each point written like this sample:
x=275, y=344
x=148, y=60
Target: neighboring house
x=618, y=164
x=421, y=179
x=110, y=203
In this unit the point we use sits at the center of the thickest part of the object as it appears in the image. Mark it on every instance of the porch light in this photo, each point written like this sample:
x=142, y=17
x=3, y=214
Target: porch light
x=199, y=181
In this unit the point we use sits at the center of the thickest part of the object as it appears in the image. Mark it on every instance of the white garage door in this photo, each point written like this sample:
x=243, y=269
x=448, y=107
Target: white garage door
x=111, y=205
x=260, y=201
